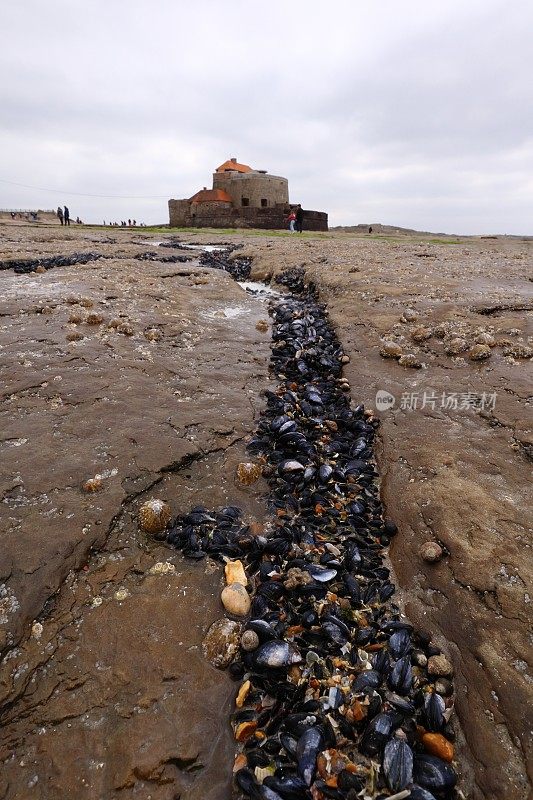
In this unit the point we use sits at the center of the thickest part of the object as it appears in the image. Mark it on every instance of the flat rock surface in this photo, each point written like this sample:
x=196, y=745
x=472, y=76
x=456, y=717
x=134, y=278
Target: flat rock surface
x=104, y=688
x=111, y=697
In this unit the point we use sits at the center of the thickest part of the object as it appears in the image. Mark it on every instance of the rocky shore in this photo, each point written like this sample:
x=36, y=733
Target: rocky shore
x=145, y=377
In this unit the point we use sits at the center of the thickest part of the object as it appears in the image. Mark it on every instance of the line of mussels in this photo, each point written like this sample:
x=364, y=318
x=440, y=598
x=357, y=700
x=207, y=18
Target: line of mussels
x=338, y=698
x=23, y=266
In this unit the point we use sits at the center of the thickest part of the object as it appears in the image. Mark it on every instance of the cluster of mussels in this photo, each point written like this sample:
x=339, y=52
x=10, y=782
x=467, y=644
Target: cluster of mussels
x=338, y=697
x=238, y=268
x=22, y=265
x=151, y=256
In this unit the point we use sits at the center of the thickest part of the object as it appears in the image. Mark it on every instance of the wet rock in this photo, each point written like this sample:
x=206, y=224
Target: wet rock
x=410, y=360
x=390, y=349
x=234, y=573
x=297, y=577
x=438, y=745
x=153, y=335
x=409, y=315
x=439, y=665
x=479, y=352
x=236, y=600
x=94, y=319
x=154, y=516
x=486, y=338
x=431, y=552
x=519, y=351
x=262, y=326
x=455, y=346
x=221, y=643
x=421, y=333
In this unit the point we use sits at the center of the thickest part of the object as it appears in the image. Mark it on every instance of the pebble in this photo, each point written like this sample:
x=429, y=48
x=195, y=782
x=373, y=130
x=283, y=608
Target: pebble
x=410, y=360
x=486, y=338
x=438, y=745
x=439, y=665
x=390, y=350
x=479, y=352
x=421, y=333
x=236, y=600
x=455, y=346
x=221, y=642
x=93, y=484
x=234, y=572
x=431, y=552
x=444, y=687
x=262, y=326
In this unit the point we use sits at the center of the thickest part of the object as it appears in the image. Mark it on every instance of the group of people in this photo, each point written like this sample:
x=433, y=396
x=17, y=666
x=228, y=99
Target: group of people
x=295, y=219
x=131, y=223
x=63, y=214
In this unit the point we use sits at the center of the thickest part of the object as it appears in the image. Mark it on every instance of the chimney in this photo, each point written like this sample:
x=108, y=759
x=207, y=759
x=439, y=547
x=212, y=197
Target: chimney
x=233, y=160
x=205, y=188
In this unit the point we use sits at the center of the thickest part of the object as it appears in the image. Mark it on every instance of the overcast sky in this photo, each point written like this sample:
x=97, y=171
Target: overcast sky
x=416, y=113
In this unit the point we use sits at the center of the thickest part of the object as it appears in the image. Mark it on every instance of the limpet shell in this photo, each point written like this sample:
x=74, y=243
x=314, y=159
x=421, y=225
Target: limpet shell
x=154, y=516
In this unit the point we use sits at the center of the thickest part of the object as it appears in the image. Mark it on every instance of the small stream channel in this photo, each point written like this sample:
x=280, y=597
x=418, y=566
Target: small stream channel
x=339, y=697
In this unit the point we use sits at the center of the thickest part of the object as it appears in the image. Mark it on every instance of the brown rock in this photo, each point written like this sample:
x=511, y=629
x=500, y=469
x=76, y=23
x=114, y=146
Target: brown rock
x=421, y=334
x=221, y=643
x=94, y=319
x=479, y=352
x=486, y=338
x=439, y=665
x=410, y=360
x=262, y=326
x=455, y=346
x=431, y=552
x=390, y=349
x=40, y=270
x=519, y=351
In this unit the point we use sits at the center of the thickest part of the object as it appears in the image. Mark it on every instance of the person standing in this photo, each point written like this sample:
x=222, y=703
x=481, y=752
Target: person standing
x=291, y=219
x=60, y=214
x=66, y=215
x=299, y=218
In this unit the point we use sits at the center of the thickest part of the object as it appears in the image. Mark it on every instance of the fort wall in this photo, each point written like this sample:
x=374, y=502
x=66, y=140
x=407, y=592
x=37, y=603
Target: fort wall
x=258, y=189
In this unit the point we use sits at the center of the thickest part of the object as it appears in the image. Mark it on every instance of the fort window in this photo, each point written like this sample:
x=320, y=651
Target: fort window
x=245, y=201
x=264, y=203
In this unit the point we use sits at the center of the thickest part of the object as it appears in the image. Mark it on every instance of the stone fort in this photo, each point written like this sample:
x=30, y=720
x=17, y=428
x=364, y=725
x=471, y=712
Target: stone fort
x=241, y=197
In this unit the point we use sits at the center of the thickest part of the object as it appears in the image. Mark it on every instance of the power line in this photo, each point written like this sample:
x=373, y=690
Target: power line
x=83, y=194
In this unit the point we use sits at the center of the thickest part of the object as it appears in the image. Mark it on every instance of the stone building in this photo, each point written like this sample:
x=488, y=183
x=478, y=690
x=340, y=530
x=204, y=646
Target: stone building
x=241, y=197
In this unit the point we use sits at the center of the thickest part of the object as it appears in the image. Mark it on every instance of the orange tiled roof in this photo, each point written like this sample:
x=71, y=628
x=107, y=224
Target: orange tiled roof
x=211, y=196
x=234, y=165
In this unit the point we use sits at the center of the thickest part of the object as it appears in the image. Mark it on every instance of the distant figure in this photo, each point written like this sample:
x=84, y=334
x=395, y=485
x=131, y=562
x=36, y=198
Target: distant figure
x=370, y=228
x=66, y=215
x=299, y=218
x=291, y=219
x=60, y=214
x=129, y=223
x=134, y=223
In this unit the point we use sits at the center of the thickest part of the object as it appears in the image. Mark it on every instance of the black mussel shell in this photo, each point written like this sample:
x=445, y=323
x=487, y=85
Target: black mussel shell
x=310, y=743
x=434, y=774
x=398, y=765
x=401, y=676
x=434, y=708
